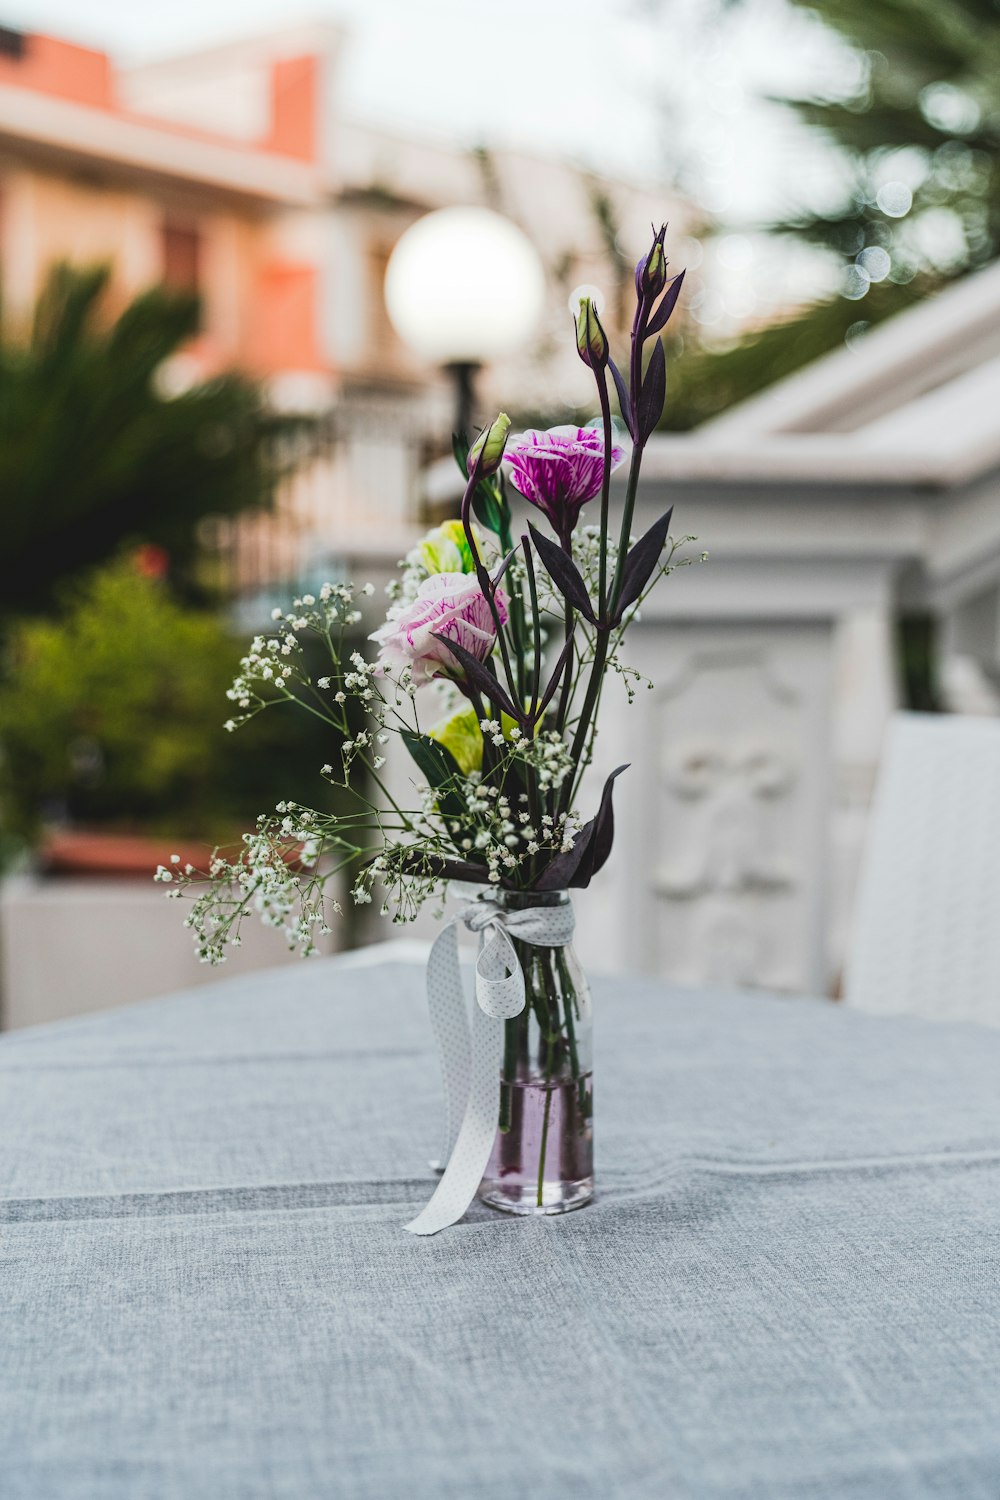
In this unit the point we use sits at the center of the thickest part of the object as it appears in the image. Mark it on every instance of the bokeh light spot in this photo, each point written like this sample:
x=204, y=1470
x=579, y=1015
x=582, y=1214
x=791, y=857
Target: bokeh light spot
x=894, y=199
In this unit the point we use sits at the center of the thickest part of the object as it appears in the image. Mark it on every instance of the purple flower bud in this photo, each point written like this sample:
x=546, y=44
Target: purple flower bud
x=651, y=270
x=487, y=450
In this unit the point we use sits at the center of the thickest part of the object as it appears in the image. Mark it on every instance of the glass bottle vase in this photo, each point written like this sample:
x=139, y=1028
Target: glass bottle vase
x=543, y=1156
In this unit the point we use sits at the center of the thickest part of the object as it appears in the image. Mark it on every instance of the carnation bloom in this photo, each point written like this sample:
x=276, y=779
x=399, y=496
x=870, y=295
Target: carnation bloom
x=462, y=737
x=446, y=550
x=559, y=470
x=447, y=604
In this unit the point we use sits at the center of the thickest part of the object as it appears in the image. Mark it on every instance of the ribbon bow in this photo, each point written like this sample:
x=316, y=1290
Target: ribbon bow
x=471, y=1069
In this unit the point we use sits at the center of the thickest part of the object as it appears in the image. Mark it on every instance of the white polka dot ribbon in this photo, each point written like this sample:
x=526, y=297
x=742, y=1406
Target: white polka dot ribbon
x=471, y=1071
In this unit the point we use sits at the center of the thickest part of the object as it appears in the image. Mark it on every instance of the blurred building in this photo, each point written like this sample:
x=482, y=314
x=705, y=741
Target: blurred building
x=232, y=172
x=859, y=492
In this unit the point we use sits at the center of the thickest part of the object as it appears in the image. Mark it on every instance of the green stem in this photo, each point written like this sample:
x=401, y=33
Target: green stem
x=541, y=1155
x=589, y=705
x=594, y=684
x=518, y=628
x=631, y=490
x=569, y=996
x=536, y=626
x=602, y=391
x=566, y=693
x=552, y=1034
x=510, y=1031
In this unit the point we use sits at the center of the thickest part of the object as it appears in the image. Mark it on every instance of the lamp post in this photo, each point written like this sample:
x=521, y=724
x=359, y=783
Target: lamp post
x=464, y=286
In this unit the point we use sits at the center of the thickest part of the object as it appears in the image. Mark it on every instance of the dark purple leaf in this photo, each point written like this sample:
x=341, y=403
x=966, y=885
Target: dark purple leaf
x=501, y=570
x=576, y=869
x=624, y=400
x=564, y=574
x=604, y=830
x=666, y=307
x=641, y=562
x=653, y=393
x=479, y=676
x=560, y=873
x=556, y=677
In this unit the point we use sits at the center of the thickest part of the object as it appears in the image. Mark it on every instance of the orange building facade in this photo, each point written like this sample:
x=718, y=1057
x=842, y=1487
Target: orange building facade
x=85, y=176
x=231, y=172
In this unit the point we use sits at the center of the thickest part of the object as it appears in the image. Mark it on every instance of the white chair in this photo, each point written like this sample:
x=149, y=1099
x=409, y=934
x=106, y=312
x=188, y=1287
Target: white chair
x=926, y=937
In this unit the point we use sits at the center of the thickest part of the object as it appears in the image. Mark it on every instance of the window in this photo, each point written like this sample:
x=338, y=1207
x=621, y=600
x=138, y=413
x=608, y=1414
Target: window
x=181, y=247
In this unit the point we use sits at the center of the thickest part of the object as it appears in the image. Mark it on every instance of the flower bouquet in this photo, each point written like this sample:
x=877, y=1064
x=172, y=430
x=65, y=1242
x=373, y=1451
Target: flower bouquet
x=516, y=634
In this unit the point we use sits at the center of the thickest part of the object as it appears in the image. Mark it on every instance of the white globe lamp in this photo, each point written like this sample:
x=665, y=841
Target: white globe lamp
x=464, y=286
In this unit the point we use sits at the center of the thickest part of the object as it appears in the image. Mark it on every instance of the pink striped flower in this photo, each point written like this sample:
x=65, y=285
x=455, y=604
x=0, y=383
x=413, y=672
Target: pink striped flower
x=559, y=470
x=447, y=604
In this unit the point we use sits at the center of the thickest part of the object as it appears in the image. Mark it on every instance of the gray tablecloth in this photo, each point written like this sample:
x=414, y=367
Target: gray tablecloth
x=788, y=1288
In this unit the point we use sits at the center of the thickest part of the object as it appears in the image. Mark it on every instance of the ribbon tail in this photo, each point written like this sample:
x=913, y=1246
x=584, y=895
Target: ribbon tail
x=450, y=1024
x=464, y=1172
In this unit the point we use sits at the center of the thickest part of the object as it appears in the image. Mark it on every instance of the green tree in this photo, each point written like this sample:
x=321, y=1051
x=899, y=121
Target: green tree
x=112, y=715
x=917, y=140
x=92, y=455
x=920, y=137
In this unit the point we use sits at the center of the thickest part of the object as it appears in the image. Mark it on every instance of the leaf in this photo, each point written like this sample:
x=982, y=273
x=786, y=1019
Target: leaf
x=624, y=399
x=666, y=307
x=575, y=869
x=640, y=563
x=487, y=505
x=564, y=574
x=554, y=680
x=440, y=768
x=653, y=392
x=479, y=676
x=604, y=830
x=560, y=873
x=501, y=570
x=460, y=448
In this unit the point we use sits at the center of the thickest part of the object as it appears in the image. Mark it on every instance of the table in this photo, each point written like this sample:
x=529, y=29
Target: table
x=787, y=1290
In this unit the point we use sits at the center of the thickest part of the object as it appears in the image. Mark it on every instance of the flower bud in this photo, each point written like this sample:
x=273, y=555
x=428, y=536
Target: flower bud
x=651, y=271
x=487, y=451
x=591, y=340
x=446, y=550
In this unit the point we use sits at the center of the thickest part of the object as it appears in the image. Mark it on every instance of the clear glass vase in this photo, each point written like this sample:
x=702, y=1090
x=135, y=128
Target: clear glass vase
x=543, y=1155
